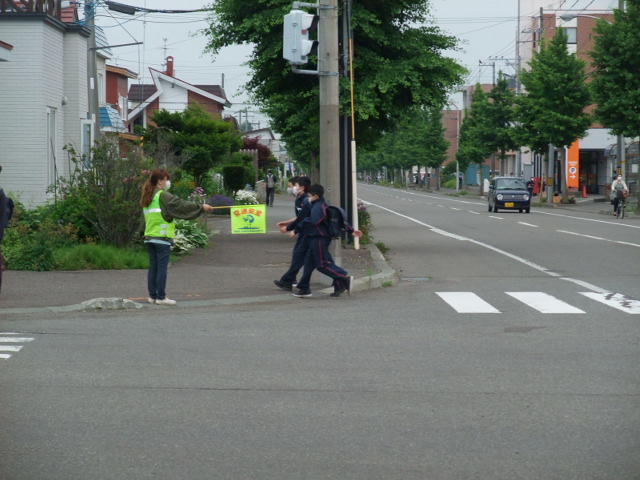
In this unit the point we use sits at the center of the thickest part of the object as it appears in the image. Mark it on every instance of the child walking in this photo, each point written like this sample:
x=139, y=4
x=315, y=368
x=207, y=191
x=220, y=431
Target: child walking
x=301, y=207
x=314, y=228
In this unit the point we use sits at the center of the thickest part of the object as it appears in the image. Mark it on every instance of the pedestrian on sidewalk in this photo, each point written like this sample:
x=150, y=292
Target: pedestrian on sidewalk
x=270, y=181
x=6, y=210
x=314, y=227
x=302, y=209
x=160, y=209
x=619, y=190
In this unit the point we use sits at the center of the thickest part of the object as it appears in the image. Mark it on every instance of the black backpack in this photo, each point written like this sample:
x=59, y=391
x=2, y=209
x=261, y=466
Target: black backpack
x=336, y=222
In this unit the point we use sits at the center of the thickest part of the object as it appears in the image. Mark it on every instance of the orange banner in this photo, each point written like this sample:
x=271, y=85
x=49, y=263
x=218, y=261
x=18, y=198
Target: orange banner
x=573, y=165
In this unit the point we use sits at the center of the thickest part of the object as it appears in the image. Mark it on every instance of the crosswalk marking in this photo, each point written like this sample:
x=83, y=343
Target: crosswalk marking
x=10, y=348
x=615, y=300
x=544, y=303
x=4, y=339
x=469, y=302
x=466, y=302
x=15, y=339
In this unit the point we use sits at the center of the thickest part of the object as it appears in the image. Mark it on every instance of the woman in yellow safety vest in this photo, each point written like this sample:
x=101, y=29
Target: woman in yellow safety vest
x=160, y=208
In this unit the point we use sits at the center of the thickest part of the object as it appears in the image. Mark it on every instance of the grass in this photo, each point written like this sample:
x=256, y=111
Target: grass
x=388, y=283
x=100, y=257
x=382, y=247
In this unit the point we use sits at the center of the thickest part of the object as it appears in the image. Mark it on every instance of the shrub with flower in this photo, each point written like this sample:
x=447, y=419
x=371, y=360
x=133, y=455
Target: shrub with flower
x=198, y=195
x=189, y=235
x=364, y=223
x=246, y=197
x=220, y=200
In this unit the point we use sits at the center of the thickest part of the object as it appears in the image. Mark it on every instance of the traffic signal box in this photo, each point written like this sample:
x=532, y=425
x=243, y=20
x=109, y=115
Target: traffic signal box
x=296, y=45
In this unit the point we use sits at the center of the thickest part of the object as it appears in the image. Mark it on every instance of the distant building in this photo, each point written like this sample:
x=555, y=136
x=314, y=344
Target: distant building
x=43, y=95
x=594, y=169
x=172, y=94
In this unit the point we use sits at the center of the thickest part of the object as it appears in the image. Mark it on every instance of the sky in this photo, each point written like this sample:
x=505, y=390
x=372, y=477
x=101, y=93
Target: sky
x=485, y=28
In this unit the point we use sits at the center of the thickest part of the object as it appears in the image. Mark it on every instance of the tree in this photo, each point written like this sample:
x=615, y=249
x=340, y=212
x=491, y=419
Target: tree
x=472, y=144
x=553, y=109
x=615, y=82
x=197, y=139
x=398, y=62
x=500, y=119
x=265, y=156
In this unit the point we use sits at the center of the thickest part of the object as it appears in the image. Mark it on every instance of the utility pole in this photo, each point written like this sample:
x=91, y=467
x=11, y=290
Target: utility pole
x=519, y=169
x=92, y=69
x=621, y=145
x=487, y=64
x=329, y=106
x=551, y=160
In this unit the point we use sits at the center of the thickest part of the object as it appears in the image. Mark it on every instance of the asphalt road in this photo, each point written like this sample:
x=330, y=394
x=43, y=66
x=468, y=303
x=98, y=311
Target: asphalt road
x=387, y=384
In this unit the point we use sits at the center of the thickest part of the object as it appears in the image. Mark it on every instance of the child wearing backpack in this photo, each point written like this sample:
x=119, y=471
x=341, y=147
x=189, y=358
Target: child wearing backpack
x=319, y=233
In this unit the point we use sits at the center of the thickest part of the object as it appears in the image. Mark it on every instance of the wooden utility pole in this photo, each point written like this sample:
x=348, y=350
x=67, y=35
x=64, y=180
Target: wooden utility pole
x=622, y=160
x=92, y=70
x=329, y=100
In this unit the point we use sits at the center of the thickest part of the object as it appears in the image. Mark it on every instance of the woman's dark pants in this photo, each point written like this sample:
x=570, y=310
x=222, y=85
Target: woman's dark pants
x=158, y=264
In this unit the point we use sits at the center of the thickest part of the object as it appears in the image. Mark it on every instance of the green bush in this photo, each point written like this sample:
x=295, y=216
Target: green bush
x=189, y=235
x=108, y=191
x=100, y=257
x=71, y=210
x=30, y=243
x=450, y=183
x=235, y=177
x=364, y=223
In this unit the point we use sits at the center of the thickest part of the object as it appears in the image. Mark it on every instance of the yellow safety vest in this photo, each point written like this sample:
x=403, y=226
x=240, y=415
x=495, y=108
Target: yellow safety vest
x=155, y=225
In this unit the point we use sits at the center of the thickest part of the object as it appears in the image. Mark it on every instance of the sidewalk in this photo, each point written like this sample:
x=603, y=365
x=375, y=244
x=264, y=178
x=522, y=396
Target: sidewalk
x=234, y=266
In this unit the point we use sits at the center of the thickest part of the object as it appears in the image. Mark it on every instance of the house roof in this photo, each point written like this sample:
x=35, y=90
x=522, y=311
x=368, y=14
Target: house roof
x=139, y=93
x=145, y=94
x=110, y=120
x=125, y=72
x=258, y=132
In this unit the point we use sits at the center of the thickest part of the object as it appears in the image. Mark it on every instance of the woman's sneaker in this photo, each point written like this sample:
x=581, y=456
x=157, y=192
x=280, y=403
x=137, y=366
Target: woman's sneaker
x=151, y=300
x=302, y=293
x=166, y=301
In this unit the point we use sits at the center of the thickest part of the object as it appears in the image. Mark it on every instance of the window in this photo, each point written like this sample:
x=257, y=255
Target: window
x=85, y=149
x=572, y=35
x=52, y=170
x=102, y=93
x=123, y=104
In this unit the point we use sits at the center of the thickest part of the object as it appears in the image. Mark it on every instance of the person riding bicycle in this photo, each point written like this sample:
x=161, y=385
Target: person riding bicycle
x=619, y=190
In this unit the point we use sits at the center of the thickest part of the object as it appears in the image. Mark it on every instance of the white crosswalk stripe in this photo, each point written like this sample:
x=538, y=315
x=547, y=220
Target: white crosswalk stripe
x=470, y=302
x=467, y=302
x=11, y=339
x=544, y=303
x=615, y=300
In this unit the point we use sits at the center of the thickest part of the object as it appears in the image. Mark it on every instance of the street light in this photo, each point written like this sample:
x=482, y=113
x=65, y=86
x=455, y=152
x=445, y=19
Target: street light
x=567, y=17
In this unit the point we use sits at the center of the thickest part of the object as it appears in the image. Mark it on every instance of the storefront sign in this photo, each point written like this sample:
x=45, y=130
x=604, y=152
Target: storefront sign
x=573, y=165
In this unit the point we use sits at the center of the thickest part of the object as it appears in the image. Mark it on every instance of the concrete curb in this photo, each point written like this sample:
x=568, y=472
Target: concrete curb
x=386, y=277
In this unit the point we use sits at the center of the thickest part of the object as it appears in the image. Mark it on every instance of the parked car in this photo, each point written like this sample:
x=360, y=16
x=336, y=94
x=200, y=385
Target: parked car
x=509, y=193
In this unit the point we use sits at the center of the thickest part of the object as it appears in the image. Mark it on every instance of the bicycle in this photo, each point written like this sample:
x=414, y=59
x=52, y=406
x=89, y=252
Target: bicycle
x=620, y=209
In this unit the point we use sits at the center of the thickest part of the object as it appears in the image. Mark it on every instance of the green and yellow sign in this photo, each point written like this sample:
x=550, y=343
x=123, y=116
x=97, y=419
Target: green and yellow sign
x=249, y=219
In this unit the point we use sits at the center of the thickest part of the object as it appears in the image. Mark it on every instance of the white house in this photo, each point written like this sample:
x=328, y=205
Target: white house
x=43, y=96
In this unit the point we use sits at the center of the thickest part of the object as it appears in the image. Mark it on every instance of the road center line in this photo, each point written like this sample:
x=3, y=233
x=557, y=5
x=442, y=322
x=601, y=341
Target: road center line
x=497, y=218
x=528, y=224
x=524, y=261
x=593, y=237
x=537, y=211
